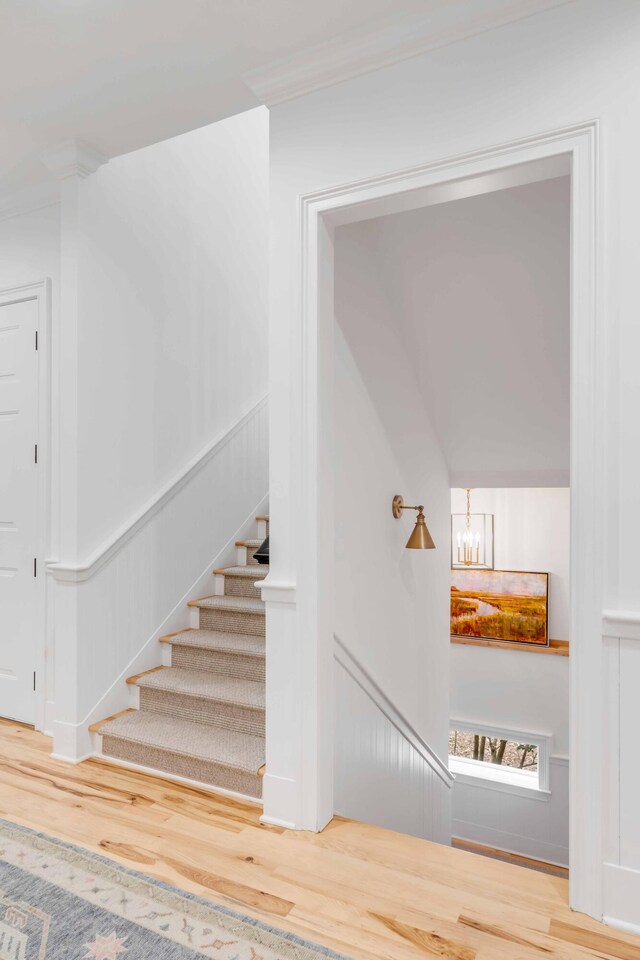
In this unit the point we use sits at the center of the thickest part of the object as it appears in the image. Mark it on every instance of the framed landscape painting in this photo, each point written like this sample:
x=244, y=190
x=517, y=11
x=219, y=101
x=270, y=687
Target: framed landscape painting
x=503, y=605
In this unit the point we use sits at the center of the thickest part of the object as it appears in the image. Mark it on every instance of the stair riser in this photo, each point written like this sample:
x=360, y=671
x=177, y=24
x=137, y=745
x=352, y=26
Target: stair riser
x=241, y=587
x=230, y=716
x=220, y=663
x=228, y=621
x=192, y=768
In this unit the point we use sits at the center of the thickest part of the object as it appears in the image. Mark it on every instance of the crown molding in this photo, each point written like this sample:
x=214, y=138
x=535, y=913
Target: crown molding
x=73, y=159
x=354, y=53
x=28, y=201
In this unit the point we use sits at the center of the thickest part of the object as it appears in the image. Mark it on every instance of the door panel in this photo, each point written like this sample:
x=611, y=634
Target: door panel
x=18, y=507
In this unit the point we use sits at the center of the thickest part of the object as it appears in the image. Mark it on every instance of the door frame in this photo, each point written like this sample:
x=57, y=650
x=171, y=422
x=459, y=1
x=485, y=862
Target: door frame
x=40, y=291
x=318, y=213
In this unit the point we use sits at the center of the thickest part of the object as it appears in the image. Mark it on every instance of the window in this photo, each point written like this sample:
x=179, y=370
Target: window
x=500, y=759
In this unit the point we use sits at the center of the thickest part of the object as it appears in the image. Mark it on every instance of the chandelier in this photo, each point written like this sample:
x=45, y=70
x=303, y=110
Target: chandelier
x=469, y=541
x=472, y=538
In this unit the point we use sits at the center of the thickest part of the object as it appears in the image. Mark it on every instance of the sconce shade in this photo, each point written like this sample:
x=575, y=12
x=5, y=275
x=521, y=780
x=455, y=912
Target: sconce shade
x=420, y=538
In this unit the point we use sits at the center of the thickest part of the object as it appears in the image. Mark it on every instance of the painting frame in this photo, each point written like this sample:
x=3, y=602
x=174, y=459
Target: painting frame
x=507, y=613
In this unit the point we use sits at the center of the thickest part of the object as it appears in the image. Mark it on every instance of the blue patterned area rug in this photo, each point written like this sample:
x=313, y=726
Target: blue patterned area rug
x=58, y=902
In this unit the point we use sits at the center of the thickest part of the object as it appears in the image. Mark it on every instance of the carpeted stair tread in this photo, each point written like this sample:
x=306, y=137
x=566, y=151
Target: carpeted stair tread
x=242, y=643
x=208, y=686
x=233, y=604
x=251, y=571
x=202, y=741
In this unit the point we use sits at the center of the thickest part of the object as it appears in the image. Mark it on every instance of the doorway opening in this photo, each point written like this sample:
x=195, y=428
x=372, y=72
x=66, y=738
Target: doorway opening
x=545, y=158
x=451, y=365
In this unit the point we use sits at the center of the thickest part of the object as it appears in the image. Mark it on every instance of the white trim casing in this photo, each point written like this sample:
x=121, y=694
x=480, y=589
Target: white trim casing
x=479, y=773
x=40, y=291
x=311, y=515
x=544, y=742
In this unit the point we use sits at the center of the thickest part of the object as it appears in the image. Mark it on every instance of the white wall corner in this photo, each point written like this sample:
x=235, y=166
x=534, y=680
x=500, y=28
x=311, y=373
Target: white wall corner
x=74, y=158
x=357, y=51
x=72, y=742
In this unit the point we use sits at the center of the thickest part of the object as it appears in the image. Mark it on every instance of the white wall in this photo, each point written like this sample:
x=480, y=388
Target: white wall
x=519, y=691
x=391, y=604
x=560, y=68
x=172, y=293
x=481, y=286
x=30, y=247
x=164, y=334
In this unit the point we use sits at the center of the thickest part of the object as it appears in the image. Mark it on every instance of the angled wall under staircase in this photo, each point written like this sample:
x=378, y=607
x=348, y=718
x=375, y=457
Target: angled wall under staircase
x=203, y=717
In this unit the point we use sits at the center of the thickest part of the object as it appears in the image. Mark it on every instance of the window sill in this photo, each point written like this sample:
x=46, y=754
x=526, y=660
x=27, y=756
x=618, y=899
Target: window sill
x=556, y=648
x=472, y=774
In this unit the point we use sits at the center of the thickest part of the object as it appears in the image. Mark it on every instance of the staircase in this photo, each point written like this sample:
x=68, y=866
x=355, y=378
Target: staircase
x=203, y=717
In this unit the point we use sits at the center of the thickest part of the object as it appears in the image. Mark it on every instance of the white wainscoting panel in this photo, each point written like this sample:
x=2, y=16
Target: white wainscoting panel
x=621, y=876
x=529, y=826
x=383, y=775
x=119, y=607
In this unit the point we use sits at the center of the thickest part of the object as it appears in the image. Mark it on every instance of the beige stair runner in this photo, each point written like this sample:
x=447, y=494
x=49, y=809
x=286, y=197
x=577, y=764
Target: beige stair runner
x=204, y=716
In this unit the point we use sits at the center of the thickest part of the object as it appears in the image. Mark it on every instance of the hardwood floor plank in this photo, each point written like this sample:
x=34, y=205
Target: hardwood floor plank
x=365, y=892
x=604, y=943
x=431, y=943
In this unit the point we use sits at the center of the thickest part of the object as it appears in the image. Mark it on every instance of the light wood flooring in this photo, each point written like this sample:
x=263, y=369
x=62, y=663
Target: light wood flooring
x=366, y=892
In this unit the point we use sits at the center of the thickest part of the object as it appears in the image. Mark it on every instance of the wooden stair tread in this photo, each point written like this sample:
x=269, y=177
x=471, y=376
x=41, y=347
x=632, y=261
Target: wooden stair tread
x=138, y=676
x=243, y=644
x=251, y=571
x=203, y=741
x=206, y=686
x=232, y=604
x=97, y=727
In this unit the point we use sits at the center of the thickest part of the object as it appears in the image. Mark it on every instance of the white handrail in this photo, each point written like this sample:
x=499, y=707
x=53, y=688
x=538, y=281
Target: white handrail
x=366, y=683
x=79, y=571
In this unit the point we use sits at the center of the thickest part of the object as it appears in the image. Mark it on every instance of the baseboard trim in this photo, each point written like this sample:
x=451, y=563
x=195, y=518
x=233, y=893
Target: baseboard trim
x=275, y=822
x=633, y=928
x=621, y=897
x=74, y=761
x=511, y=843
x=507, y=856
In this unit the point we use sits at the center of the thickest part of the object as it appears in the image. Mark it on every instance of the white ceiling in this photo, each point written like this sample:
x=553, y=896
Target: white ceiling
x=478, y=290
x=121, y=74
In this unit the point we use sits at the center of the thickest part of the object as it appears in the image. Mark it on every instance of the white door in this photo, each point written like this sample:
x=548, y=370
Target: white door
x=18, y=507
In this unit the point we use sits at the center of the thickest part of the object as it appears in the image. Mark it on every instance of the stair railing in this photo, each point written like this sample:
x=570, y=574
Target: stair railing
x=369, y=686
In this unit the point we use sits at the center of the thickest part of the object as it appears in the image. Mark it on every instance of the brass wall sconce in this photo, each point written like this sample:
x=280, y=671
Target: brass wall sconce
x=420, y=538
